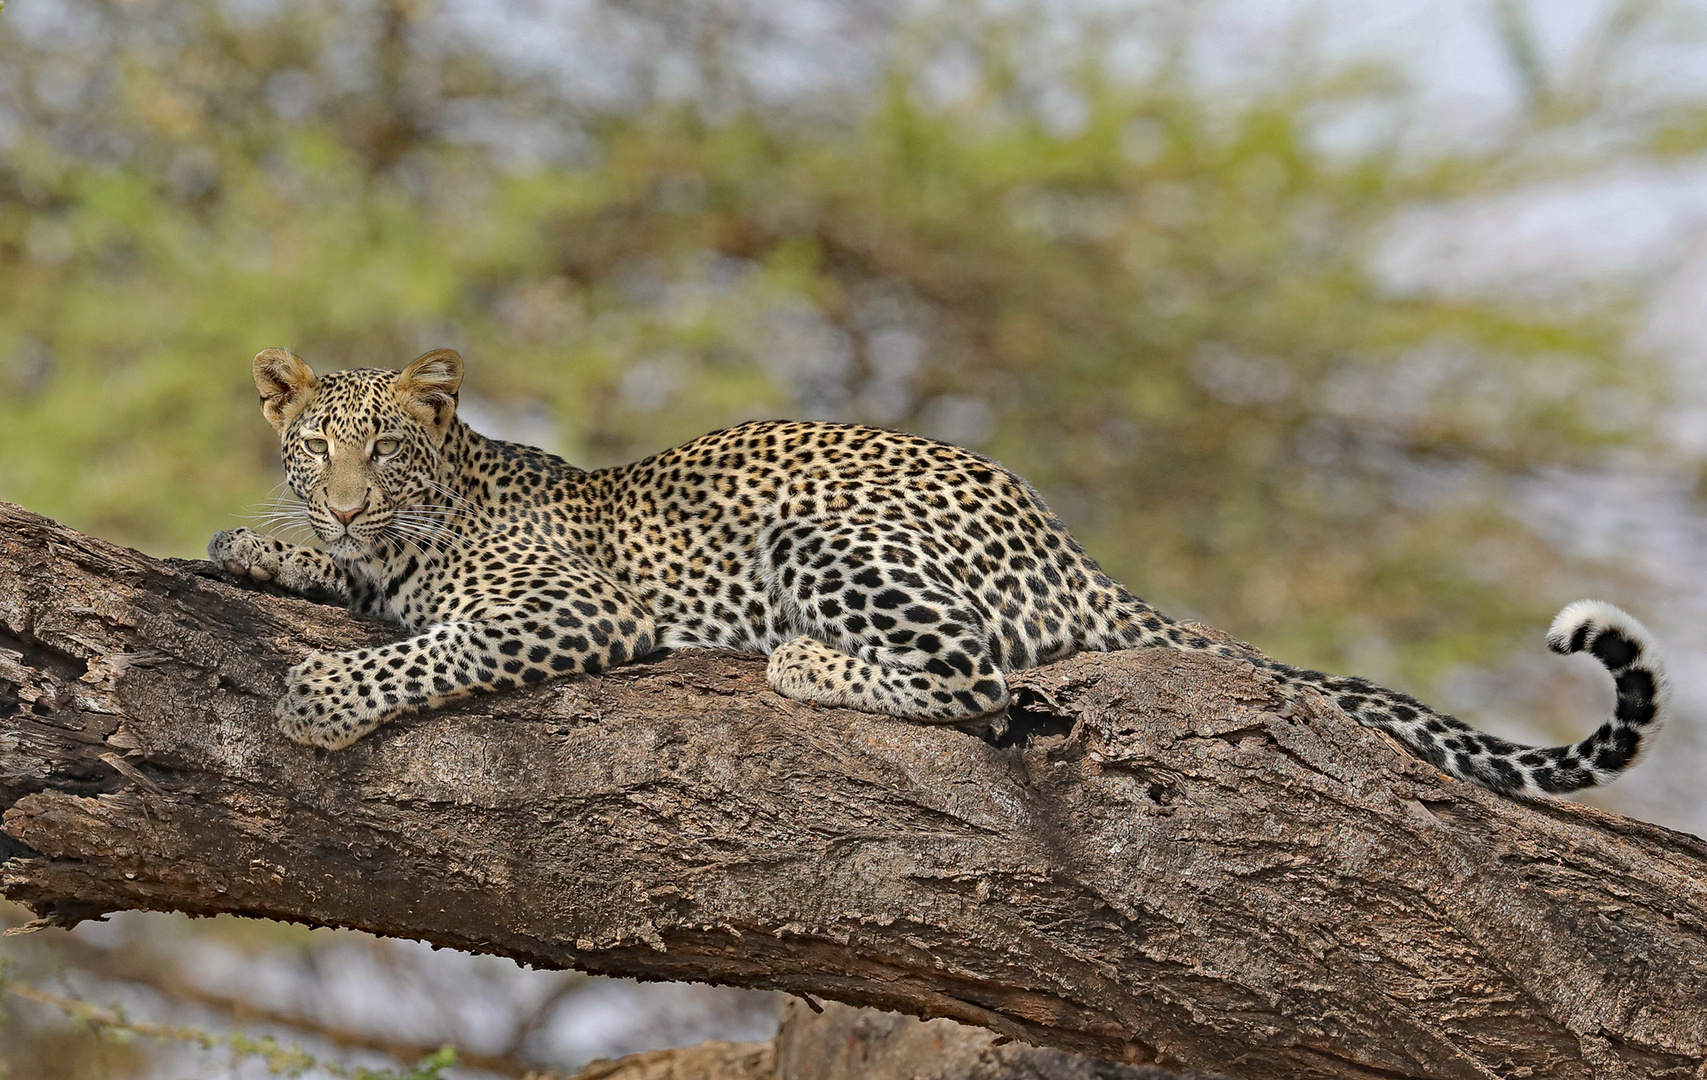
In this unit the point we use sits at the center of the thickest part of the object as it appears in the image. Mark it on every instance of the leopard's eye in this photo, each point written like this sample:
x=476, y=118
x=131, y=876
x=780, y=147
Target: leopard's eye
x=315, y=446
x=385, y=447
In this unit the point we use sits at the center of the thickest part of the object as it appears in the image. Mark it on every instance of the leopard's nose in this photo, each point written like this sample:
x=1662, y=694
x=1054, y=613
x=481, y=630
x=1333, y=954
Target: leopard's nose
x=347, y=516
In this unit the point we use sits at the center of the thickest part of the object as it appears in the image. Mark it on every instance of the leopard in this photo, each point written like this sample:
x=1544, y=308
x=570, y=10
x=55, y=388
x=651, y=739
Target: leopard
x=877, y=570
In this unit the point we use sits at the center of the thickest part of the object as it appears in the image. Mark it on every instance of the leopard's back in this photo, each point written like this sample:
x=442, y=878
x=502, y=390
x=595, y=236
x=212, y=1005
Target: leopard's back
x=694, y=531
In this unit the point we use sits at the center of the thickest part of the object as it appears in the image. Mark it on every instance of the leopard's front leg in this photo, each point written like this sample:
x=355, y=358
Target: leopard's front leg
x=333, y=699
x=306, y=571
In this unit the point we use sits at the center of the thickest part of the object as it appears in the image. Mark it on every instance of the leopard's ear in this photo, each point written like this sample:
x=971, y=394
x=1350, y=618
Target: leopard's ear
x=285, y=383
x=427, y=388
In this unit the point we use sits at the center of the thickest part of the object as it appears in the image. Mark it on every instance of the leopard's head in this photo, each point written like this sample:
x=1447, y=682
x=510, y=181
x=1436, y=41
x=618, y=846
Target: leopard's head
x=363, y=449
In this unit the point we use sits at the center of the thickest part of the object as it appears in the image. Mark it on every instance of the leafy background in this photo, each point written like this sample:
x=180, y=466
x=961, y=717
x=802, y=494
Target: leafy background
x=1368, y=332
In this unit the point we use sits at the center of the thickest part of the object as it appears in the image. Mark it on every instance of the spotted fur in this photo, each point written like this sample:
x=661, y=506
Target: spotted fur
x=878, y=570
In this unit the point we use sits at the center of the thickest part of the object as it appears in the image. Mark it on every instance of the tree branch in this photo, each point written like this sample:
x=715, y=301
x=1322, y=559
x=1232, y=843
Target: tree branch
x=1165, y=859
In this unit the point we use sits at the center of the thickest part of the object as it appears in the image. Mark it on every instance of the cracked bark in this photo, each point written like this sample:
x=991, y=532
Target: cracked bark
x=1164, y=860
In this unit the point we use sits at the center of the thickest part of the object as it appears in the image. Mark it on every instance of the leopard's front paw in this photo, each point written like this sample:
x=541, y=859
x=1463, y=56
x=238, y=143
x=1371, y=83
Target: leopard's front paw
x=323, y=704
x=245, y=553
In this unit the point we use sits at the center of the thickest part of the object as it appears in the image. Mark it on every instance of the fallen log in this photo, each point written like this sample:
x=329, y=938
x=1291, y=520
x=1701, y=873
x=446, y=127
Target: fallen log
x=1159, y=858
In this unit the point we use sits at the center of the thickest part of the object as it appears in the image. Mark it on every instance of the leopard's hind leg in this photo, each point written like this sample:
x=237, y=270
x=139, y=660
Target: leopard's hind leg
x=884, y=625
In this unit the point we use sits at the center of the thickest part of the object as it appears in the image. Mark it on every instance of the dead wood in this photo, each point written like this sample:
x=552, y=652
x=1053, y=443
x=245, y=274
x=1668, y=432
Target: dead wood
x=1164, y=859
x=838, y=1042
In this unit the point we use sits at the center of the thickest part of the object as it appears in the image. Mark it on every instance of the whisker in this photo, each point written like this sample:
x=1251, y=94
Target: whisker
x=405, y=541
x=432, y=517
x=432, y=525
x=418, y=531
x=457, y=499
x=418, y=517
x=410, y=527
x=415, y=541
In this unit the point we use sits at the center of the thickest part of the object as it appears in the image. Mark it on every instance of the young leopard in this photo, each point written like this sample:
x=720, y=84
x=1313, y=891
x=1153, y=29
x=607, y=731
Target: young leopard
x=879, y=571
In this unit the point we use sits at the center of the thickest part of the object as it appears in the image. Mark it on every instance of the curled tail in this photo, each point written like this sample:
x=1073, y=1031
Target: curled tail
x=1614, y=637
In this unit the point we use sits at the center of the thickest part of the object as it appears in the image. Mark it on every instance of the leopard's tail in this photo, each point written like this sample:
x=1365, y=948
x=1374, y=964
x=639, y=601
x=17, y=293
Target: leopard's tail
x=1614, y=637
x=1621, y=644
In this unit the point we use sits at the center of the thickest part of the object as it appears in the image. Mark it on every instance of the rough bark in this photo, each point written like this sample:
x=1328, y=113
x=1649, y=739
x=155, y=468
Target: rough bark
x=1165, y=859
x=707, y=1061
x=837, y=1042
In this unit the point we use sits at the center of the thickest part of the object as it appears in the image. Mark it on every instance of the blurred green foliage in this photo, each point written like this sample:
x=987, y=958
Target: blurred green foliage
x=1153, y=301
x=115, y=1033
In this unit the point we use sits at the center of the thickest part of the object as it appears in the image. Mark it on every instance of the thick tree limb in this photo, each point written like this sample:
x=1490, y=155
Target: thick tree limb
x=1168, y=861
